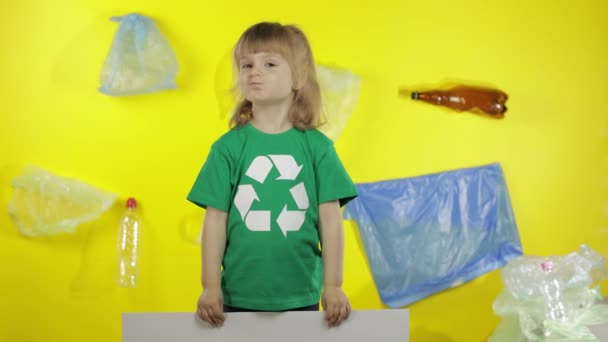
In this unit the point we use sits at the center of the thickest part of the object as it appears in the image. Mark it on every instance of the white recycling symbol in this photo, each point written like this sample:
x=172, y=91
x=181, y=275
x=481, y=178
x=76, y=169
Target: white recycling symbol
x=259, y=220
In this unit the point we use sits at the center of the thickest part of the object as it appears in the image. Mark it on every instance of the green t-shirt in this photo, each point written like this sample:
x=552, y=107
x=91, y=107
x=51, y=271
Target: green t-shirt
x=271, y=186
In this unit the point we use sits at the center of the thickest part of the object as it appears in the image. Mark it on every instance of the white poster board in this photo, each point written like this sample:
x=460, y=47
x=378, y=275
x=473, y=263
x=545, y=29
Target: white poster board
x=600, y=331
x=295, y=326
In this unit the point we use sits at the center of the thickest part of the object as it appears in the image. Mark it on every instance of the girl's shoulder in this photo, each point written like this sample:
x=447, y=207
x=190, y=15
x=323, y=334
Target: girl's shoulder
x=317, y=139
x=233, y=137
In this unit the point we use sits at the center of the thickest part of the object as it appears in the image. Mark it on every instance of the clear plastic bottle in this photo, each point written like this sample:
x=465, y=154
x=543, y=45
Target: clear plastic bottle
x=552, y=292
x=129, y=235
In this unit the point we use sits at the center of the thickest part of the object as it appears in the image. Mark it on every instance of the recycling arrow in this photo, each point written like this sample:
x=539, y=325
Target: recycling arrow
x=287, y=166
x=259, y=168
x=290, y=220
x=299, y=195
x=258, y=220
x=245, y=195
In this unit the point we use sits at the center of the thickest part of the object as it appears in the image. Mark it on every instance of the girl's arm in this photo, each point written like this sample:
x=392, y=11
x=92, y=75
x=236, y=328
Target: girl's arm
x=213, y=243
x=210, y=307
x=332, y=243
x=334, y=300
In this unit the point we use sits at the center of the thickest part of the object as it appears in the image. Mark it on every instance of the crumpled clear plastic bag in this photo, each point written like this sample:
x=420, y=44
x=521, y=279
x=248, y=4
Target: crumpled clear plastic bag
x=429, y=233
x=43, y=204
x=225, y=85
x=555, y=305
x=339, y=96
x=524, y=276
x=140, y=61
x=191, y=227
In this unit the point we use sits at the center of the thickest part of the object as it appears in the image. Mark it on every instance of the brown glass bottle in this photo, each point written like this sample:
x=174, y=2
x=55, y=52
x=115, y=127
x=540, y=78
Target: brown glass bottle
x=466, y=98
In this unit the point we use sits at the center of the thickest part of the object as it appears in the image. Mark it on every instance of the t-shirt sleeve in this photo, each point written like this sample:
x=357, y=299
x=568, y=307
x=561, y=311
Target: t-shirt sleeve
x=212, y=186
x=333, y=182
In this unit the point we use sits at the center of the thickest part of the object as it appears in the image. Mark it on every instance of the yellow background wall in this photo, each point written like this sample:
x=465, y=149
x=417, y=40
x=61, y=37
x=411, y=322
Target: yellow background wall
x=549, y=56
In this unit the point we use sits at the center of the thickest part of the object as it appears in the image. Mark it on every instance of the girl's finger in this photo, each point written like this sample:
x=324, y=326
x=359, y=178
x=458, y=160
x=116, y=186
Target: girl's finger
x=218, y=314
x=204, y=316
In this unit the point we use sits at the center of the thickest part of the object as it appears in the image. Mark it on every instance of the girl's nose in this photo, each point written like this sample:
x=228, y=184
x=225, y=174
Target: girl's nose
x=256, y=70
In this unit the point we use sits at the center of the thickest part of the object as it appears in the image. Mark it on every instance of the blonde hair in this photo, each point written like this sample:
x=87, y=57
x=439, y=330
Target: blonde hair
x=291, y=43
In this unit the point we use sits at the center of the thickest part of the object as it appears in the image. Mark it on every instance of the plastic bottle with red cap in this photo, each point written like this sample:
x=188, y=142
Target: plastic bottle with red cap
x=128, y=245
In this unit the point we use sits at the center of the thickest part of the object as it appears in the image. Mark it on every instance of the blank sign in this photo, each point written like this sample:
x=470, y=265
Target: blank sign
x=362, y=325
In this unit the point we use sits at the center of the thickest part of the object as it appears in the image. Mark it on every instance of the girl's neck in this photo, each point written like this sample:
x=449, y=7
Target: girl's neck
x=271, y=119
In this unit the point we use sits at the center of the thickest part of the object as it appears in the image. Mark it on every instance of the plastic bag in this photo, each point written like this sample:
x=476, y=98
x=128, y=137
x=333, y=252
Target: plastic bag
x=226, y=86
x=140, y=61
x=339, y=95
x=191, y=227
x=524, y=276
x=44, y=204
x=429, y=233
x=551, y=304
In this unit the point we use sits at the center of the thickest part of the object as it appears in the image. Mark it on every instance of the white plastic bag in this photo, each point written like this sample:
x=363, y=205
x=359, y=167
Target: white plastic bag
x=140, y=61
x=44, y=204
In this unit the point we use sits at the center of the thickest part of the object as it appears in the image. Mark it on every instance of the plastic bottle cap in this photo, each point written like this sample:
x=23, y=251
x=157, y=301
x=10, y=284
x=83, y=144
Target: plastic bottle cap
x=547, y=265
x=131, y=203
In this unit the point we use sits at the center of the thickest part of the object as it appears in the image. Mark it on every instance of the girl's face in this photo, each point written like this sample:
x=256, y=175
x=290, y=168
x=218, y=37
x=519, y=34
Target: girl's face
x=265, y=78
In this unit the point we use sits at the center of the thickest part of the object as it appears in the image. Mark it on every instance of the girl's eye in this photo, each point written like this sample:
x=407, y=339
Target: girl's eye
x=270, y=65
x=246, y=66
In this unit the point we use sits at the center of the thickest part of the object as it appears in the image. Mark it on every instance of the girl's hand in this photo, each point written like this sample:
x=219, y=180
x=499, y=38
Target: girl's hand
x=335, y=304
x=210, y=307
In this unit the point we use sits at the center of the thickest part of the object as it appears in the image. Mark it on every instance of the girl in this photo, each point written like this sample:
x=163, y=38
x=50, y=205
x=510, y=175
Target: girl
x=273, y=186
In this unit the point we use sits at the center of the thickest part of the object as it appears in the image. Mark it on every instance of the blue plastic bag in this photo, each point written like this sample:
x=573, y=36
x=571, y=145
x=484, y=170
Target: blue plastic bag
x=140, y=61
x=429, y=233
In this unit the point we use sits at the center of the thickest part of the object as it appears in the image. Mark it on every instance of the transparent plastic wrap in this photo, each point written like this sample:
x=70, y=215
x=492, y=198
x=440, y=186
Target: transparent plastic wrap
x=339, y=94
x=43, y=204
x=551, y=298
x=429, y=233
x=191, y=227
x=140, y=61
x=524, y=276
